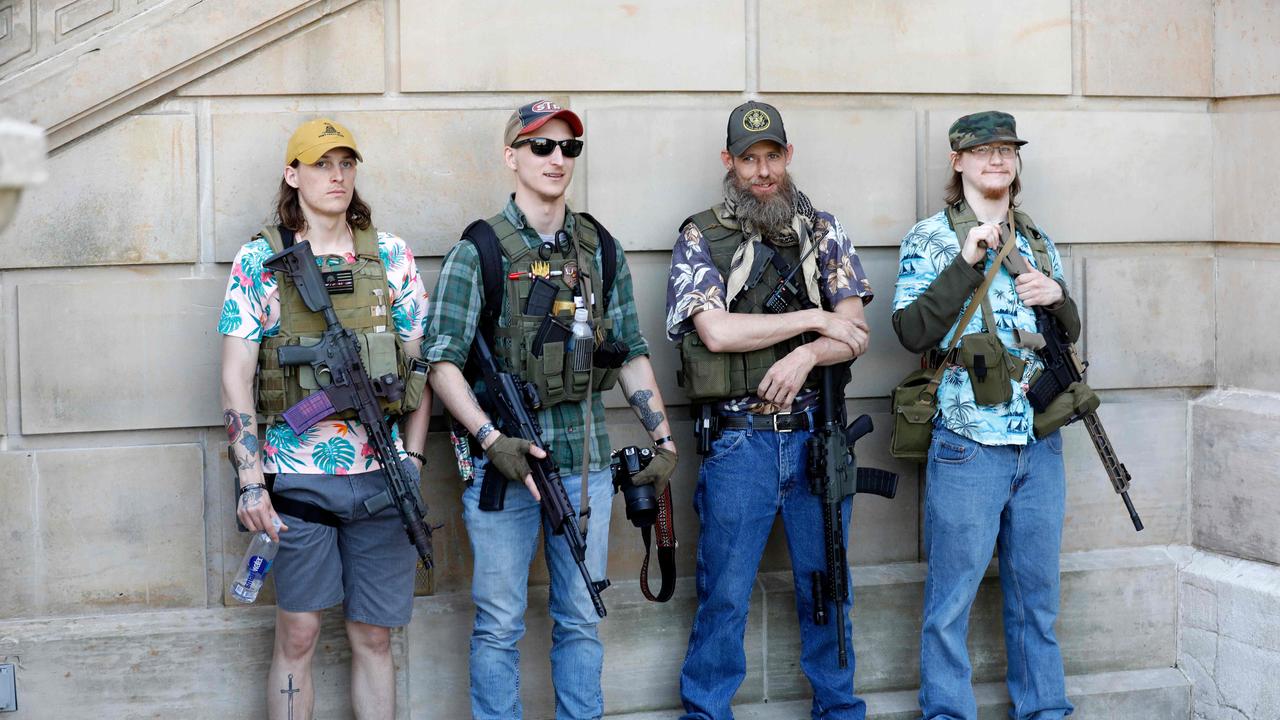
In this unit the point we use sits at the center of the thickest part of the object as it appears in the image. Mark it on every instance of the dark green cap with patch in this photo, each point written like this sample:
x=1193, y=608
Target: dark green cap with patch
x=751, y=122
x=991, y=126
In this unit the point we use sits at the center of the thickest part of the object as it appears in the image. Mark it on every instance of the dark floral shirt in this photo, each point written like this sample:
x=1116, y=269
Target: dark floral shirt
x=695, y=284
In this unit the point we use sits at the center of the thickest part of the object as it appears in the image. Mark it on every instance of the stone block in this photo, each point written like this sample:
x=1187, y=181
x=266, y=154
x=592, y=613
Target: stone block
x=305, y=62
x=125, y=196
x=1164, y=338
x=624, y=158
x=1156, y=188
x=1246, y=295
x=1231, y=660
x=644, y=649
x=1234, y=465
x=110, y=530
x=1150, y=438
x=428, y=208
x=20, y=583
x=886, y=362
x=1244, y=147
x=20, y=30
x=1133, y=48
x=664, y=45
x=800, y=46
x=874, y=208
x=1246, y=51
x=1138, y=631
x=200, y=664
x=154, y=347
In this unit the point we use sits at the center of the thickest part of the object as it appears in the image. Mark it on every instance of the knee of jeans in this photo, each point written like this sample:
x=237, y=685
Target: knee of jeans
x=498, y=632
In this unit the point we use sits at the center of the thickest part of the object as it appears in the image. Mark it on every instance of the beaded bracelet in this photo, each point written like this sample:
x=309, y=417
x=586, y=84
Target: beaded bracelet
x=416, y=456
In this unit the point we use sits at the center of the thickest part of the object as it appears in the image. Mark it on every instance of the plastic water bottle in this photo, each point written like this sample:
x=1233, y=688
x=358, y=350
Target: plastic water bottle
x=253, y=569
x=582, y=344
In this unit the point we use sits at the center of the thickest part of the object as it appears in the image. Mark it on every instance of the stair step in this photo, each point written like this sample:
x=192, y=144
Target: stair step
x=1159, y=694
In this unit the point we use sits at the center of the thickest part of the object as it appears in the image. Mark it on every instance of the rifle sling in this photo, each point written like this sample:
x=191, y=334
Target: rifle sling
x=304, y=511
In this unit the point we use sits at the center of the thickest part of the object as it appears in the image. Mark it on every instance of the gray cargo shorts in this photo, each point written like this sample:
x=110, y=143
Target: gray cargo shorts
x=367, y=563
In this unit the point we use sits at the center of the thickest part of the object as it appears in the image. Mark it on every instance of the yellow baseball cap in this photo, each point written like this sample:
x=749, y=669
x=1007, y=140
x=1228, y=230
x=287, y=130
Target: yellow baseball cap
x=317, y=137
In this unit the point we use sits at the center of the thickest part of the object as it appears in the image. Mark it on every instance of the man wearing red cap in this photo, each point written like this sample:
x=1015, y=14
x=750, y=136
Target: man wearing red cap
x=558, y=268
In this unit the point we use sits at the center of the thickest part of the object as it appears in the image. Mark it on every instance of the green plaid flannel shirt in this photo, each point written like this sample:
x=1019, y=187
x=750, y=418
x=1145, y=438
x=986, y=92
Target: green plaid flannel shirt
x=455, y=311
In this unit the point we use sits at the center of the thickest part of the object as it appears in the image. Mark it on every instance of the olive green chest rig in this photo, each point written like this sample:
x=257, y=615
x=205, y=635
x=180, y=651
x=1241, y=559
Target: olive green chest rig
x=961, y=219
x=361, y=299
x=533, y=335
x=707, y=375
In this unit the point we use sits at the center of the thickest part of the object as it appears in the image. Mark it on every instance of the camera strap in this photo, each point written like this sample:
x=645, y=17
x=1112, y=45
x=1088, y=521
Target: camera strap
x=665, y=524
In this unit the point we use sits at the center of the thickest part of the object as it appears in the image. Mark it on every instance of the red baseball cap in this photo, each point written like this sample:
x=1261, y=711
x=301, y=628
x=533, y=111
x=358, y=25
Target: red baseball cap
x=528, y=118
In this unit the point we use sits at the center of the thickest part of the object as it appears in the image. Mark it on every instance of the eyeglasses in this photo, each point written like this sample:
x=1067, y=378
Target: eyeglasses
x=1004, y=151
x=545, y=146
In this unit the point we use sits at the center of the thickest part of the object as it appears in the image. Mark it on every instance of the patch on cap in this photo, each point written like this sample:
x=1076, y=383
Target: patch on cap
x=756, y=120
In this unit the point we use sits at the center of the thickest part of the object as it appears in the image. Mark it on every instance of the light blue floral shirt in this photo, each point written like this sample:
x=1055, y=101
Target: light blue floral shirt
x=929, y=248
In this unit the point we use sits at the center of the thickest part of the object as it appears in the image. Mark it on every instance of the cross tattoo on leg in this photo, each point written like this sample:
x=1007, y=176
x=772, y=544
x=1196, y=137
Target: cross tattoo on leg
x=291, y=692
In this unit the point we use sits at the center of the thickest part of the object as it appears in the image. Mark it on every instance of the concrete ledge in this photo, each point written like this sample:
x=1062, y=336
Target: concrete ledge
x=1118, y=614
x=1159, y=693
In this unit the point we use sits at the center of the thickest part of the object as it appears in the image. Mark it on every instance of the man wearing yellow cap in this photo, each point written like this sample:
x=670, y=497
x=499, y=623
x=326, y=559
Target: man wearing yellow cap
x=309, y=490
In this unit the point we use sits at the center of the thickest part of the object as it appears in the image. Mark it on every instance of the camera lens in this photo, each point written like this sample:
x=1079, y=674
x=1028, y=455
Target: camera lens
x=642, y=504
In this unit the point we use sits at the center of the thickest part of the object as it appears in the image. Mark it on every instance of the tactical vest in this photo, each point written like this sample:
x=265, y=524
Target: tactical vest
x=707, y=375
x=552, y=372
x=366, y=311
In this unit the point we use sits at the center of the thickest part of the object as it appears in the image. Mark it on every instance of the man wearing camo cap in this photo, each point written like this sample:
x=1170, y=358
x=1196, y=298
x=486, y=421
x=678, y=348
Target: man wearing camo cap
x=993, y=481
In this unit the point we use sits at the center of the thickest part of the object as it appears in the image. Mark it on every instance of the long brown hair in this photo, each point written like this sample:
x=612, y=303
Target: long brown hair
x=289, y=209
x=955, y=186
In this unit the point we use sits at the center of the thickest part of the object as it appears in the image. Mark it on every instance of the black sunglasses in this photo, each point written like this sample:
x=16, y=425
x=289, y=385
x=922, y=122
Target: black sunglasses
x=545, y=146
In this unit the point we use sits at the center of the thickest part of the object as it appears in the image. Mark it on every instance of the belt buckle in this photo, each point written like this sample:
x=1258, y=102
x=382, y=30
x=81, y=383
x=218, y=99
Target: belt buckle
x=777, y=429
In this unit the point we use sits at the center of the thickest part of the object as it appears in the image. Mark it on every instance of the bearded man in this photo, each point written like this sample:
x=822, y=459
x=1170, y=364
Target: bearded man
x=750, y=359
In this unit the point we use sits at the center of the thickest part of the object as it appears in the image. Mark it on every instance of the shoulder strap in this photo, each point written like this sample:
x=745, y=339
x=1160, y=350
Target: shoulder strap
x=480, y=233
x=608, y=256
x=1035, y=238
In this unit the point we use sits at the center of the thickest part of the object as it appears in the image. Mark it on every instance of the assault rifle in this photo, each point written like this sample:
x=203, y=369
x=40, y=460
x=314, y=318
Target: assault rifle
x=1062, y=367
x=510, y=398
x=834, y=475
x=337, y=355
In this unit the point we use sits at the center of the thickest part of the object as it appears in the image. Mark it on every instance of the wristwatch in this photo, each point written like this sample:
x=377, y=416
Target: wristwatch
x=484, y=432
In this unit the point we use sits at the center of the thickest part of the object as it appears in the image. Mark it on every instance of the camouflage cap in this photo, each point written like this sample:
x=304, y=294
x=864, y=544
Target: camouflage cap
x=991, y=126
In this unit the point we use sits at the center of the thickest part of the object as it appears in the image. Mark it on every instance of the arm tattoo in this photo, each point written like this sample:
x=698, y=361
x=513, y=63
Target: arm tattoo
x=648, y=417
x=238, y=434
x=251, y=499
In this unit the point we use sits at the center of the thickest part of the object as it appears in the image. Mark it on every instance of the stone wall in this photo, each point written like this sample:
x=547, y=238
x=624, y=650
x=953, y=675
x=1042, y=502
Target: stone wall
x=1152, y=143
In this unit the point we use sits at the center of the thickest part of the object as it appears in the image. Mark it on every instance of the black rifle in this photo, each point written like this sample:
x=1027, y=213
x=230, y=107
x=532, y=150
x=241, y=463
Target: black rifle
x=337, y=355
x=833, y=472
x=834, y=475
x=509, y=399
x=1062, y=367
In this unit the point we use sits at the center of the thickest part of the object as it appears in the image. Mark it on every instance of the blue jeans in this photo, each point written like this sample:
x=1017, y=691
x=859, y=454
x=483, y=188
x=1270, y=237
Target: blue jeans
x=980, y=497
x=503, y=543
x=749, y=477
